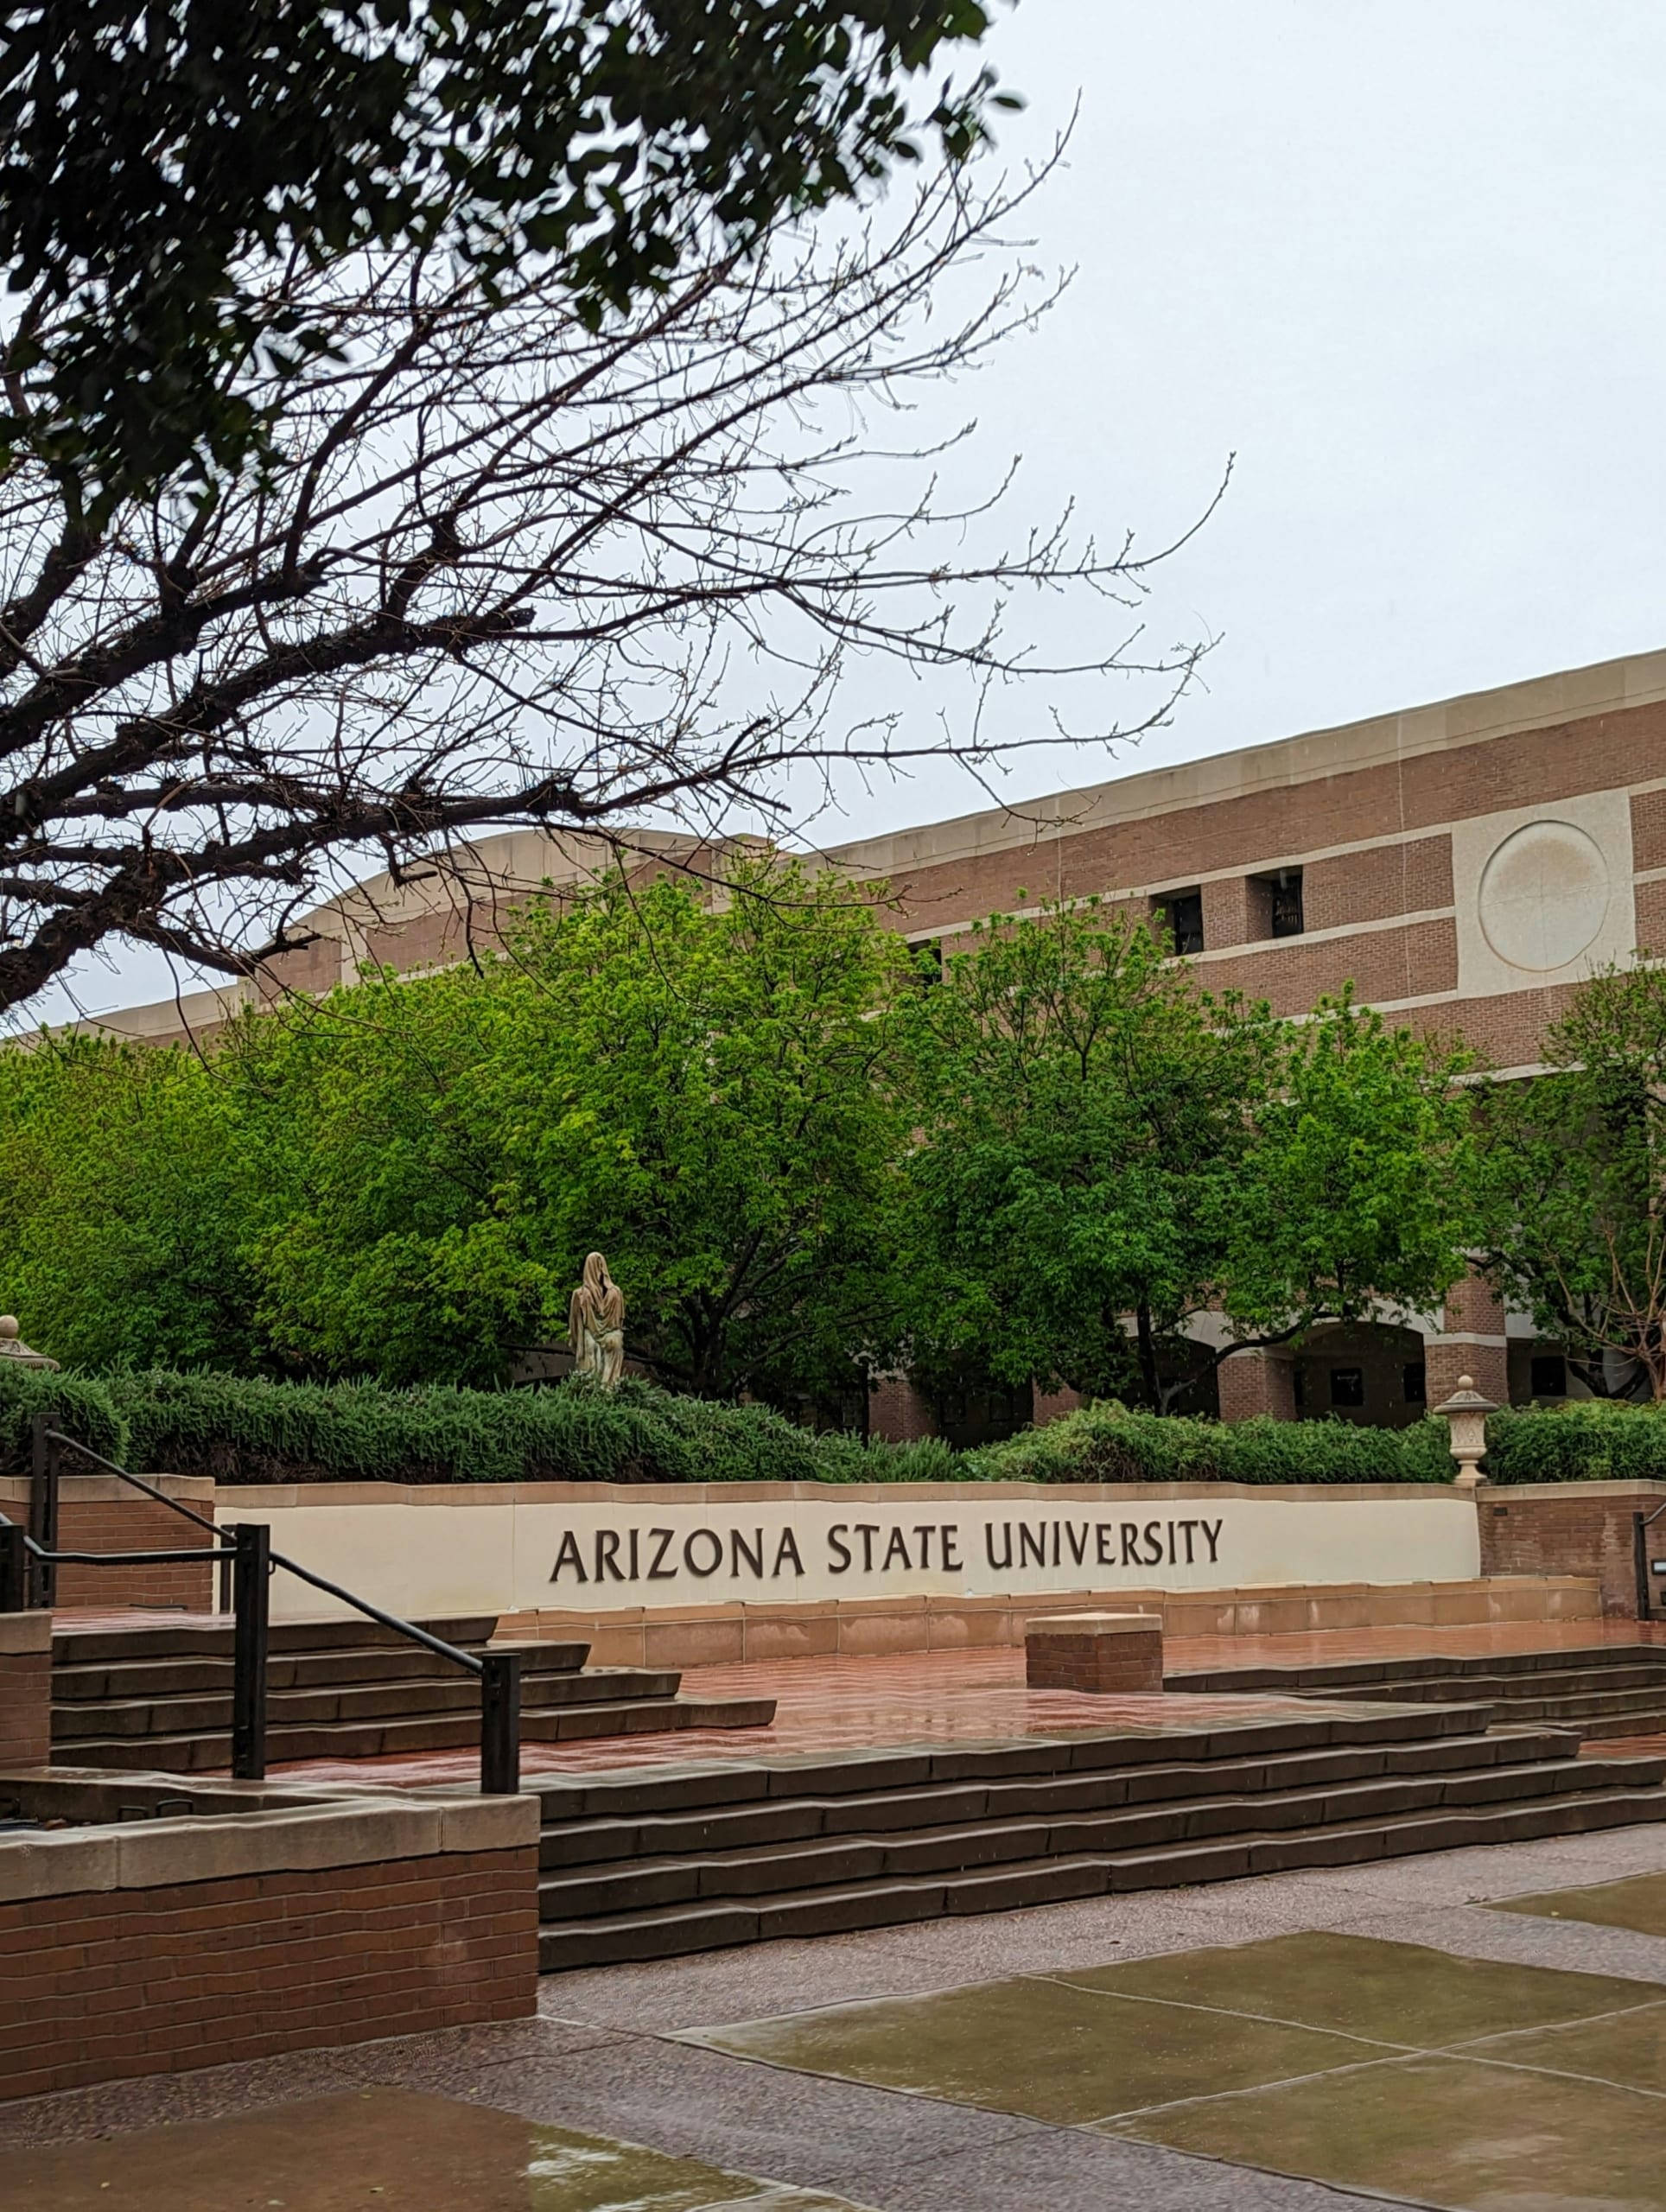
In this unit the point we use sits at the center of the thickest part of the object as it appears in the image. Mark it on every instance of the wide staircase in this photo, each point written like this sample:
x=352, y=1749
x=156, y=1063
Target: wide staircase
x=158, y=1697
x=1602, y=1690
x=643, y=1866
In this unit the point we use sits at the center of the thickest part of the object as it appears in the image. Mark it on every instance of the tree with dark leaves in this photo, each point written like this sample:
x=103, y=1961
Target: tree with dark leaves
x=159, y=154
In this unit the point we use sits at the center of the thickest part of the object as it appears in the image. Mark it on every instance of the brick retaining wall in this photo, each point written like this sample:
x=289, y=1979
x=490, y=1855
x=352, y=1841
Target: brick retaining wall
x=153, y=1975
x=25, y=1689
x=1568, y=1528
x=97, y=1513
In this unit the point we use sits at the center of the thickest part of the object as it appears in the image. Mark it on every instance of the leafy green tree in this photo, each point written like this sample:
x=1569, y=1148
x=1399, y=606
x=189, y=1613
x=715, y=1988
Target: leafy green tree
x=696, y=1086
x=1083, y=1127
x=1108, y=1154
x=126, y=1199
x=1575, y=1185
x=1359, y=1184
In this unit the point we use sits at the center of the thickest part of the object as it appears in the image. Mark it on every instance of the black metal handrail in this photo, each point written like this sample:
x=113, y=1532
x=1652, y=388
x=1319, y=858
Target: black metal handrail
x=47, y=1442
x=29, y=1560
x=1641, y=1524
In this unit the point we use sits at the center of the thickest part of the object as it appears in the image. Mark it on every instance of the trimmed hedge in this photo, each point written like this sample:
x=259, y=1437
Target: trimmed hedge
x=242, y=1429
x=80, y=1406
x=1109, y=1443
x=1588, y=1440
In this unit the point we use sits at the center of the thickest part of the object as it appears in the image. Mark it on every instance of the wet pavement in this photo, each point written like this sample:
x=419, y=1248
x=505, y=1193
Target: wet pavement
x=387, y=2149
x=1286, y=2044
x=1639, y=1903
x=833, y=1706
x=1387, y=2067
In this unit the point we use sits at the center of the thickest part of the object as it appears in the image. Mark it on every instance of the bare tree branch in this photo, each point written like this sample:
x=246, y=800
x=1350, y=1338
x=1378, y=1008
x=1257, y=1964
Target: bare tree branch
x=506, y=570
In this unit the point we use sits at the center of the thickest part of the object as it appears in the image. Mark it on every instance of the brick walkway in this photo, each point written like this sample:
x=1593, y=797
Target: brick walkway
x=838, y=1705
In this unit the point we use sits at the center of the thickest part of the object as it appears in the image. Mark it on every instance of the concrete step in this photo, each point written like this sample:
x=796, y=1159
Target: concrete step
x=454, y=1692
x=879, y=1899
x=73, y=1645
x=653, y=1881
x=208, y=1750
x=119, y=1678
x=1404, y=1668
x=1651, y=1722
x=1045, y=1758
x=1511, y=1690
x=616, y=1840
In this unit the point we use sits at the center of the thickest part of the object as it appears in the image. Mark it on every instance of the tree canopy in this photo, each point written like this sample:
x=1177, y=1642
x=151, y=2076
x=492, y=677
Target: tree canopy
x=159, y=156
x=701, y=1089
x=807, y=1155
x=1575, y=1185
x=1110, y=1153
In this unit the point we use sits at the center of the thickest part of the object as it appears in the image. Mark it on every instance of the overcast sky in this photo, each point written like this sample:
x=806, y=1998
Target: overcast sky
x=1406, y=262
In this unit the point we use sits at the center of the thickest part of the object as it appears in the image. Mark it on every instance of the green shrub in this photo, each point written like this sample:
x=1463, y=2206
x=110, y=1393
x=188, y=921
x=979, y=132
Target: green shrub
x=240, y=1429
x=78, y=1406
x=1108, y=1443
x=1589, y=1440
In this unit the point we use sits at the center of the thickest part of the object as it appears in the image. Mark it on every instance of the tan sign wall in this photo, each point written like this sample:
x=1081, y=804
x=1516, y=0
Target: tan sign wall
x=521, y=1547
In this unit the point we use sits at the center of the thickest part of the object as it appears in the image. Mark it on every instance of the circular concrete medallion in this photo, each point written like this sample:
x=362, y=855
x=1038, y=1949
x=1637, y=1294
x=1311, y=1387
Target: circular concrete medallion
x=1544, y=894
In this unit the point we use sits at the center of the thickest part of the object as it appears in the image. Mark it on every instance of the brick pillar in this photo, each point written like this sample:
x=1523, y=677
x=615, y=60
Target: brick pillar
x=897, y=1412
x=1470, y=1342
x=1053, y=1405
x=1238, y=910
x=25, y=1689
x=1257, y=1383
x=98, y=1513
x=1226, y=914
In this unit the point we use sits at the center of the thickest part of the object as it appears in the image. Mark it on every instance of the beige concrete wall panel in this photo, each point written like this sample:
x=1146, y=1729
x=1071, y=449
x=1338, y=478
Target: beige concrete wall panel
x=612, y=1551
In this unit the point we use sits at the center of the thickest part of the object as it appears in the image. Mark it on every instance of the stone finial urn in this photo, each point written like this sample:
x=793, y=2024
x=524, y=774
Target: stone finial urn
x=14, y=1351
x=1465, y=1413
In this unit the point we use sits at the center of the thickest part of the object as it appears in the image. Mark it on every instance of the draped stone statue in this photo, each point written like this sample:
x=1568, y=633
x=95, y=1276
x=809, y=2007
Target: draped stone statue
x=596, y=1324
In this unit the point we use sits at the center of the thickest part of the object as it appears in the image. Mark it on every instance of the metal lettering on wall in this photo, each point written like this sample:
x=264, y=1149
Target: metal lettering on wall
x=869, y=1549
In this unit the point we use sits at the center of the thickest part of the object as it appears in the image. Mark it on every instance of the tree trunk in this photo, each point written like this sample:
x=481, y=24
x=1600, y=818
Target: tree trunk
x=1149, y=1382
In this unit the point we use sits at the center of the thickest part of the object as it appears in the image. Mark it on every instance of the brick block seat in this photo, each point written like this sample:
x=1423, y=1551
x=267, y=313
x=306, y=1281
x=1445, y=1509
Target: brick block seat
x=1105, y=1654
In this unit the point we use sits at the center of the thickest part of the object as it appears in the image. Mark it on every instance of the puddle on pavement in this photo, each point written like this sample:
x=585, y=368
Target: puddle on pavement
x=379, y=2151
x=1639, y=1903
x=1387, y=2068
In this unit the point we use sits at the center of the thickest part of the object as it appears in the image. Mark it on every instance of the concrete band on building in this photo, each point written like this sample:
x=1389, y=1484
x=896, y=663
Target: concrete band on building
x=1465, y=865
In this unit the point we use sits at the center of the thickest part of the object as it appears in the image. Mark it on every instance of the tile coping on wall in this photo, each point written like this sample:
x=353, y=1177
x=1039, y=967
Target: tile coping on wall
x=297, y=1832
x=261, y=1495
x=107, y=1489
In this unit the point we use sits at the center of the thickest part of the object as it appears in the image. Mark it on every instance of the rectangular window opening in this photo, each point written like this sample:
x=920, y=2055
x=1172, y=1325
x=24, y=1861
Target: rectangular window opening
x=1415, y=1380
x=1347, y=1386
x=1547, y=1374
x=1285, y=917
x=1180, y=912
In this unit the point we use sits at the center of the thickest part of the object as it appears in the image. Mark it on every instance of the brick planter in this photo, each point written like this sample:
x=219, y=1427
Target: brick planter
x=97, y=1513
x=153, y=1946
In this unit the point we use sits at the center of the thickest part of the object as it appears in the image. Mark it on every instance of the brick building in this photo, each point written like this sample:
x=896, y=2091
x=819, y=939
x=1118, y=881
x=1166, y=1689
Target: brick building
x=1464, y=864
